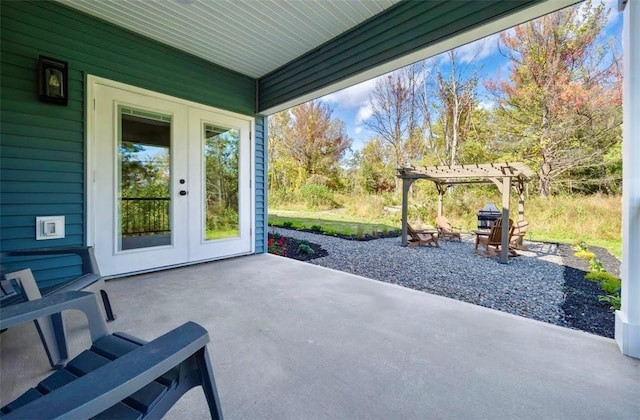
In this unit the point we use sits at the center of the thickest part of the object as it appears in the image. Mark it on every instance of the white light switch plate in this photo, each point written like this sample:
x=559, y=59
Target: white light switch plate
x=49, y=227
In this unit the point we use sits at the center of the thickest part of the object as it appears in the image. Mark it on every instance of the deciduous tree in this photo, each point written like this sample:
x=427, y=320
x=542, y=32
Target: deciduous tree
x=560, y=108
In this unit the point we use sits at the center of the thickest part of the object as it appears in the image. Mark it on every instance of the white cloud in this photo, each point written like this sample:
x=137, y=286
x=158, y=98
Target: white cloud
x=358, y=130
x=478, y=50
x=354, y=96
x=364, y=113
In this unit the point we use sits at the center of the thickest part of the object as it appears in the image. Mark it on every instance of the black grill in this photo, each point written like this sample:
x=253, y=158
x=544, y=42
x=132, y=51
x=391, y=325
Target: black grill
x=487, y=215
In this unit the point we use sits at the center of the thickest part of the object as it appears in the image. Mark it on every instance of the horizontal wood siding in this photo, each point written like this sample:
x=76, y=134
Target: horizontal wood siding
x=42, y=150
x=406, y=27
x=261, y=184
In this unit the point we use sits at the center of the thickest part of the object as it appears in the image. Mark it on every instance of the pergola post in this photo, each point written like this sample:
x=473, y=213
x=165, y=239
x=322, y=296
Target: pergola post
x=506, y=193
x=406, y=184
x=440, y=199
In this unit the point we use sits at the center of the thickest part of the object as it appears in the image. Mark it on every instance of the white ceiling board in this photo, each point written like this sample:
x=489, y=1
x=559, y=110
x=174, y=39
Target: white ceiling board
x=249, y=36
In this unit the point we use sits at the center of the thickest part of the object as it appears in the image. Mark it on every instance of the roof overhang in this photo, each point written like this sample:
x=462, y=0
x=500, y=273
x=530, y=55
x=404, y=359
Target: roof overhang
x=301, y=50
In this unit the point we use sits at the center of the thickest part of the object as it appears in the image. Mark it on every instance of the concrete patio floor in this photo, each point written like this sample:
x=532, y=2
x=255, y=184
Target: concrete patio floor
x=291, y=340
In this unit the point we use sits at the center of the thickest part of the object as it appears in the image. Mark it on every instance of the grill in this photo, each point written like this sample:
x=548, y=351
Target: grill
x=487, y=215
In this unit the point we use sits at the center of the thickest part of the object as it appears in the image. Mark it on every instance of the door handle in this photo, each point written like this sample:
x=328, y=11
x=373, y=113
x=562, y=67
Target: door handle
x=183, y=192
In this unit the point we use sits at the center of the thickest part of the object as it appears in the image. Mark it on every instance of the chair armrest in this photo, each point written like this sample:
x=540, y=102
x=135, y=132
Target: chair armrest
x=53, y=304
x=89, y=264
x=104, y=387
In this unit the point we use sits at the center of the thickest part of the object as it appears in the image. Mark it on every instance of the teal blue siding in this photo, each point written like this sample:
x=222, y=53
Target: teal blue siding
x=261, y=184
x=404, y=28
x=42, y=149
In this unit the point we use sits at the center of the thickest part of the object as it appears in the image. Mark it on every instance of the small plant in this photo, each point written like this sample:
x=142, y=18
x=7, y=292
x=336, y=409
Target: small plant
x=316, y=228
x=287, y=224
x=360, y=232
x=608, y=282
x=596, y=265
x=585, y=254
x=304, y=241
x=614, y=301
x=581, y=246
x=276, y=247
x=305, y=249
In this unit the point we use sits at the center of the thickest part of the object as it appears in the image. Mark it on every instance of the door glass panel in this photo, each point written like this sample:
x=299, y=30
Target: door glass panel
x=144, y=201
x=220, y=182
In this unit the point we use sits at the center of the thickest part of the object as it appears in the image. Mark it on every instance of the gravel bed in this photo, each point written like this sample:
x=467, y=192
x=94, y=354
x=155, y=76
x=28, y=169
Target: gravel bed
x=530, y=285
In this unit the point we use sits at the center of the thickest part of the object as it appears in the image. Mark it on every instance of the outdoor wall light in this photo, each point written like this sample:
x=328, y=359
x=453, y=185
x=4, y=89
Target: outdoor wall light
x=53, y=80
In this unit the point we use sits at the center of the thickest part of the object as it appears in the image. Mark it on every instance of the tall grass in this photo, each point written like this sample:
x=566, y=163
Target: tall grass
x=594, y=219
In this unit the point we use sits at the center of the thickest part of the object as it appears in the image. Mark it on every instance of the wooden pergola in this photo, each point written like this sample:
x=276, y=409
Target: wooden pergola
x=504, y=175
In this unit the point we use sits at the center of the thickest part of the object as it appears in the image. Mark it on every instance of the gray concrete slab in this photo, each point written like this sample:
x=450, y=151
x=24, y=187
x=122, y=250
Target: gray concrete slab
x=290, y=340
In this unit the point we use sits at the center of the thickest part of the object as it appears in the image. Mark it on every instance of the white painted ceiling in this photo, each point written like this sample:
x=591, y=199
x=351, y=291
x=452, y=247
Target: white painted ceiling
x=252, y=37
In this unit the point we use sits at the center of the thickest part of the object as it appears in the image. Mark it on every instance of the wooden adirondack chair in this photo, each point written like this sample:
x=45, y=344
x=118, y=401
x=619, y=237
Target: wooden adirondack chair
x=119, y=376
x=424, y=237
x=446, y=230
x=519, y=232
x=492, y=243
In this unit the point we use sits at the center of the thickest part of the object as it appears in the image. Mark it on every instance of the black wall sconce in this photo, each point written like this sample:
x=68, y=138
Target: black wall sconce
x=53, y=80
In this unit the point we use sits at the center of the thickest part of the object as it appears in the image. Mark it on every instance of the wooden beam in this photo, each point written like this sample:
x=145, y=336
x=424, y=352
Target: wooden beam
x=504, y=240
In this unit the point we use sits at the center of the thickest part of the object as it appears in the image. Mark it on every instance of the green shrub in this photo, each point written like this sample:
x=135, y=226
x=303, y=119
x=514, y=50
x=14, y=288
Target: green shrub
x=287, y=224
x=305, y=249
x=614, y=301
x=316, y=228
x=608, y=282
x=585, y=254
x=316, y=196
x=581, y=246
x=596, y=265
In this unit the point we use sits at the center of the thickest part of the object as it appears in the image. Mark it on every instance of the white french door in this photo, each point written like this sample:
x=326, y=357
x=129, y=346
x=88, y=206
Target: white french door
x=170, y=181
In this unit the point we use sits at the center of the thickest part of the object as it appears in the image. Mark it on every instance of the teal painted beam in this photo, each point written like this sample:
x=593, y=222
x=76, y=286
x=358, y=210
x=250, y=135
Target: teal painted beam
x=406, y=27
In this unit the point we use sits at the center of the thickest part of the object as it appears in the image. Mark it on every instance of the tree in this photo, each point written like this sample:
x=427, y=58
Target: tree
x=395, y=116
x=307, y=140
x=375, y=172
x=453, y=101
x=560, y=108
x=283, y=170
x=316, y=141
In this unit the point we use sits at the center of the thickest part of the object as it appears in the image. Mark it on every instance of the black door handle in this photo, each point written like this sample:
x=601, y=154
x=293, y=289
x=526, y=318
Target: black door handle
x=183, y=192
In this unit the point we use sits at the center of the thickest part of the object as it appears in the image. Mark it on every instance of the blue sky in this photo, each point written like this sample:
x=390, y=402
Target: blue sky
x=351, y=105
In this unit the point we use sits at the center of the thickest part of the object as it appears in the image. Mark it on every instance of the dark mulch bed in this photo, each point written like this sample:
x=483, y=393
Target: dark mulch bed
x=581, y=307
x=293, y=249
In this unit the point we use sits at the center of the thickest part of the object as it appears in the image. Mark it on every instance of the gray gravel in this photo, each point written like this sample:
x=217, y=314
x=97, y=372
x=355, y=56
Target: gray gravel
x=531, y=285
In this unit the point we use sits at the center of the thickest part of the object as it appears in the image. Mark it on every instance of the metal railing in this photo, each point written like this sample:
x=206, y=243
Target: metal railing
x=145, y=216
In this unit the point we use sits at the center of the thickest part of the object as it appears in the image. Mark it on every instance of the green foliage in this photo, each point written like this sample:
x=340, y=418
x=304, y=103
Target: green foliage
x=317, y=196
x=596, y=265
x=287, y=224
x=305, y=249
x=614, y=300
x=316, y=228
x=608, y=282
x=585, y=254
